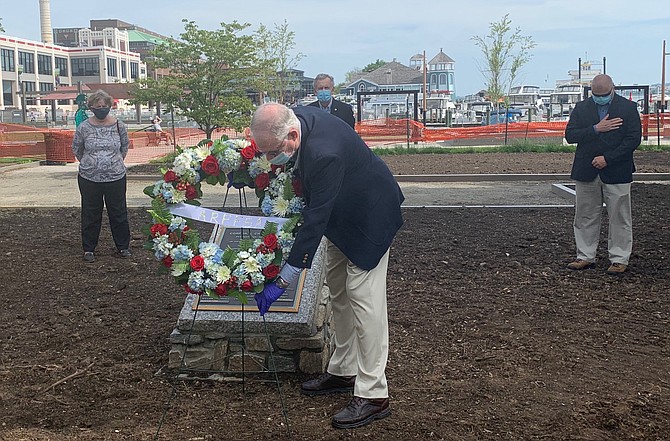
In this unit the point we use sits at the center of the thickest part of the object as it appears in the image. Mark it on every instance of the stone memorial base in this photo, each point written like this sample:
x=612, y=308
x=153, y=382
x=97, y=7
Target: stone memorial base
x=230, y=342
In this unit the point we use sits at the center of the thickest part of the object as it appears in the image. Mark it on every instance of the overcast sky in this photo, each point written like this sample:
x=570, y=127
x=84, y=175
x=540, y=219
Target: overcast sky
x=338, y=36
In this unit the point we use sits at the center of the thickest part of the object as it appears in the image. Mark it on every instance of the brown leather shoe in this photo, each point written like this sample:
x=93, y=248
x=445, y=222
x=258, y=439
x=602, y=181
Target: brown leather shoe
x=616, y=268
x=361, y=412
x=328, y=384
x=580, y=264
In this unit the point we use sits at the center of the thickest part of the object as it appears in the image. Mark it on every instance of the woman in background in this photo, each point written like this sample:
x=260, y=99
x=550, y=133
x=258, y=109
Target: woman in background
x=101, y=144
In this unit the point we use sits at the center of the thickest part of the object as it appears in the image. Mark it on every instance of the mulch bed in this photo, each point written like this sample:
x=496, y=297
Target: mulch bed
x=491, y=337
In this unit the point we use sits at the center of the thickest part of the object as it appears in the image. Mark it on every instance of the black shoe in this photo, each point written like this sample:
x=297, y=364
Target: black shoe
x=89, y=257
x=328, y=384
x=124, y=254
x=361, y=412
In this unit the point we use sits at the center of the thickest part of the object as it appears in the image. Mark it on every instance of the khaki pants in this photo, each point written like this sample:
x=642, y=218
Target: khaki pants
x=588, y=214
x=361, y=323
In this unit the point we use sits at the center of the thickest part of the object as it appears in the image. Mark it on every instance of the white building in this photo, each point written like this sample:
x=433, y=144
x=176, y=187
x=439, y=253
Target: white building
x=42, y=67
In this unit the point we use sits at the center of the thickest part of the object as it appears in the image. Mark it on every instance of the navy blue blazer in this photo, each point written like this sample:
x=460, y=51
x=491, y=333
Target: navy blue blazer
x=617, y=146
x=351, y=196
x=341, y=110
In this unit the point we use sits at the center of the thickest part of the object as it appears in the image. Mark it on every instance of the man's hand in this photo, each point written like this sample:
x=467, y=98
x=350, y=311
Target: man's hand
x=606, y=124
x=265, y=298
x=599, y=162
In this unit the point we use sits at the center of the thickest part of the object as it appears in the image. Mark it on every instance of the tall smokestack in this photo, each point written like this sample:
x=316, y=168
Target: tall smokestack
x=45, y=21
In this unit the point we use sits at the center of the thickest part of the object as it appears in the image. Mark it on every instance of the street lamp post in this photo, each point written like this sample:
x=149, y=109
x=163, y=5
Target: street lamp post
x=23, y=93
x=53, y=102
x=663, y=79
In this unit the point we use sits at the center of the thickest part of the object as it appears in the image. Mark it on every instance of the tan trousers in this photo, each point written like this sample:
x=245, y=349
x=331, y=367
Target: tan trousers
x=358, y=298
x=588, y=214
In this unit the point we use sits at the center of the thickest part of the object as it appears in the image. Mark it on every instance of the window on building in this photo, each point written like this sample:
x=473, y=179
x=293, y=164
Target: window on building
x=111, y=67
x=44, y=64
x=28, y=61
x=134, y=70
x=85, y=67
x=29, y=86
x=61, y=65
x=7, y=56
x=443, y=82
x=124, y=72
x=46, y=87
x=7, y=94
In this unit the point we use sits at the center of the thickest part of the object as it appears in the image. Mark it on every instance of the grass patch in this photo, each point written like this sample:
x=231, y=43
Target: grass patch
x=519, y=146
x=515, y=147
x=10, y=160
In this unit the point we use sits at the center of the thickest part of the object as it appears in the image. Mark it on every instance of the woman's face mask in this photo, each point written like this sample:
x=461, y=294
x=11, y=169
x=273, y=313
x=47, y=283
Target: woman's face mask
x=101, y=112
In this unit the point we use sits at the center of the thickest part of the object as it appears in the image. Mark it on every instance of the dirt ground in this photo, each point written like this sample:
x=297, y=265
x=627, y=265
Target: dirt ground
x=491, y=338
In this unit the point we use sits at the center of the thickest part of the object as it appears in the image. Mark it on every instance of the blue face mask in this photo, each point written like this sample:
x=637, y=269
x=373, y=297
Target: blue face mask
x=602, y=100
x=324, y=95
x=280, y=159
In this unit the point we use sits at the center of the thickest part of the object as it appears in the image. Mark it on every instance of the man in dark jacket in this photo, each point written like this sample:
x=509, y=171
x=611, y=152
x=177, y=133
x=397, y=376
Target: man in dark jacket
x=354, y=201
x=607, y=130
x=324, y=86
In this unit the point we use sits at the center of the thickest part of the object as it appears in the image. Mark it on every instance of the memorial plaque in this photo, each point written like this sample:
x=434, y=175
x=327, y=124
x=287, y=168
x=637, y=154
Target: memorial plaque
x=230, y=237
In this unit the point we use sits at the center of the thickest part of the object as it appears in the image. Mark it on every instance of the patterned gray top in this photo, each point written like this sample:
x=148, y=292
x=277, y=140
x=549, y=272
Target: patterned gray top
x=101, y=150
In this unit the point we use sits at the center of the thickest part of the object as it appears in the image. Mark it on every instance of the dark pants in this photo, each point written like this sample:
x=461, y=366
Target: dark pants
x=95, y=195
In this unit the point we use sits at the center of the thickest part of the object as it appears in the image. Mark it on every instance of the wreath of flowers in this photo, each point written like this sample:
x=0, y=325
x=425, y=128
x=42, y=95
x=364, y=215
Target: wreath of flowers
x=203, y=267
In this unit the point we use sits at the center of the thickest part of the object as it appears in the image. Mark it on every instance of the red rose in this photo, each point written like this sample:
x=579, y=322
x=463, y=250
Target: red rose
x=191, y=192
x=221, y=289
x=158, y=230
x=270, y=241
x=254, y=146
x=274, y=168
x=170, y=176
x=168, y=261
x=247, y=286
x=210, y=166
x=271, y=271
x=197, y=263
x=248, y=153
x=209, y=144
x=262, y=181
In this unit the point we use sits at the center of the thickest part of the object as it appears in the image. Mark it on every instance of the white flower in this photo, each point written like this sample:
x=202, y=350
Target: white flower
x=280, y=207
x=251, y=265
x=222, y=274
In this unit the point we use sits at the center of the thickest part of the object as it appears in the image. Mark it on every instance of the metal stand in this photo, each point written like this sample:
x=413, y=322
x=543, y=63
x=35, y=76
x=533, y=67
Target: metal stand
x=272, y=368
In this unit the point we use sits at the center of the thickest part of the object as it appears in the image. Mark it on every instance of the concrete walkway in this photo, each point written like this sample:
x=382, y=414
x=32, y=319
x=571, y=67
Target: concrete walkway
x=32, y=185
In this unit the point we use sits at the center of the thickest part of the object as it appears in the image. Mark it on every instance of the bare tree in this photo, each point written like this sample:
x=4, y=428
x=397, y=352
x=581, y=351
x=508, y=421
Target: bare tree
x=275, y=52
x=505, y=52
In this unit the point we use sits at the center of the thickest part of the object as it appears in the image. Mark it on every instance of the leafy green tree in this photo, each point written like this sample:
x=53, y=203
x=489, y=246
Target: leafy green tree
x=210, y=74
x=505, y=52
x=277, y=60
x=372, y=66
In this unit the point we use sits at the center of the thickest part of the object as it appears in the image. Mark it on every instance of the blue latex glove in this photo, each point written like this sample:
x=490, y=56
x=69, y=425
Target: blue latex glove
x=265, y=298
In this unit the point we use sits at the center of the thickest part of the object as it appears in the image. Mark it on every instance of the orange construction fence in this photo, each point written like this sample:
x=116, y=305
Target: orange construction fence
x=18, y=140
x=387, y=131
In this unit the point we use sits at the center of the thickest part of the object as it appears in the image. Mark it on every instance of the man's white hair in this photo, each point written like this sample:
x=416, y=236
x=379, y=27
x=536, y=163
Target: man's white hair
x=273, y=121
